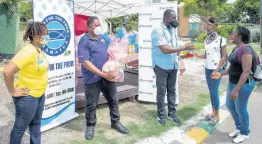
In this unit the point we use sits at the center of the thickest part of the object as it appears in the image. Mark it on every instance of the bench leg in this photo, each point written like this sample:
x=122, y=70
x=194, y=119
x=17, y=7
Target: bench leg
x=132, y=98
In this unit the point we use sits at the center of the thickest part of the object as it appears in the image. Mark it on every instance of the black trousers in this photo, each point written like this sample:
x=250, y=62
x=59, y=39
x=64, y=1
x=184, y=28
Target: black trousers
x=92, y=94
x=166, y=82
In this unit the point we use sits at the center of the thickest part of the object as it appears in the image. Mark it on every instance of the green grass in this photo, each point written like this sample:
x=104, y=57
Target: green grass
x=201, y=50
x=149, y=128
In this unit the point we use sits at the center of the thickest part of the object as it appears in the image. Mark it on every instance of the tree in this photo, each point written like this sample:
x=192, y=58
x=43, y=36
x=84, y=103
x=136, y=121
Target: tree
x=205, y=8
x=26, y=11
x=116, y=22
x=131, y=23
x=12, y=5
x=245, y=11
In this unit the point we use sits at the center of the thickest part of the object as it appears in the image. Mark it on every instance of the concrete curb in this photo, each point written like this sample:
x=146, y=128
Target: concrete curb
x=202, y=130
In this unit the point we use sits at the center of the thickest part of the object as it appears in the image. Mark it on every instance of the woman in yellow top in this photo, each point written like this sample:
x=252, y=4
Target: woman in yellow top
x=28, y=91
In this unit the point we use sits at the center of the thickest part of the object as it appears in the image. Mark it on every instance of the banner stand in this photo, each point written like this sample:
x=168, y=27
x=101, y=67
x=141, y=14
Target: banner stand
x=60, y=52
x=150, y=17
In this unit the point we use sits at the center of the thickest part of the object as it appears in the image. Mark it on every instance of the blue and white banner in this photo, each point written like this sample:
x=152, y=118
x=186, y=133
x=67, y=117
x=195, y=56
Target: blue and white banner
x=150, y=17
x=58, y=15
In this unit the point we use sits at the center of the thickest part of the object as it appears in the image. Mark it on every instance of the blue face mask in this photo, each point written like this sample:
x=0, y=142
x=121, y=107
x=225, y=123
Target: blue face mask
x=45, y=39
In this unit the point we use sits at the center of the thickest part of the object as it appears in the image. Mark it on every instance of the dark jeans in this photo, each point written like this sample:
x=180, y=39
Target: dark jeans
x=213, y=86
x=28, y=113
x=166, y=82
x=92, y=93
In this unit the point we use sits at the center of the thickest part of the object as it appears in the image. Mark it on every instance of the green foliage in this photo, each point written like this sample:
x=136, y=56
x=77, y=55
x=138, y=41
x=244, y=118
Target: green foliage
x=116, y=22
x=11, y=1
x=26, y=11
x=178, y=1
x=193, y=34
x=12, y=5
x=132, y=23
x=255, y=35
x=205, y=8
x=223, y=30
x=202, y=37
x=245, y=11
x=226, y=30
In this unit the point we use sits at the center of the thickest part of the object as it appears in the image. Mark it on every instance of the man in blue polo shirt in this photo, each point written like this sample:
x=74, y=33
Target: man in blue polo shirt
x=165, y=65
x=92, y=54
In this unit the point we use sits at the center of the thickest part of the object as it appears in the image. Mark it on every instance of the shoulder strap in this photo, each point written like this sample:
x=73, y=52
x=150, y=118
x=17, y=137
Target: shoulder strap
x=220, y=46
x=240, y=52
x=221, y=43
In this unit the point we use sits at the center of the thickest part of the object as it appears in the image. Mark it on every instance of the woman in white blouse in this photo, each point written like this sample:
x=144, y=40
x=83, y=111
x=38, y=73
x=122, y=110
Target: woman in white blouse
x=215, y=57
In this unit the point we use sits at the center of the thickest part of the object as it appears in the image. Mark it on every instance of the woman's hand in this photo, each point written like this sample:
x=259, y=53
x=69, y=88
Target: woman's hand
x=18, y=92
x=196, y=55
x=214, y=72
x=216, y=75
x=233, y=95
x=199, y=56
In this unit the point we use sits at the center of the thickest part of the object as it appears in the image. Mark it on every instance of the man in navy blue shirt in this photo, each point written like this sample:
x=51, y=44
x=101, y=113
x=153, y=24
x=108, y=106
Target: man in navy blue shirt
x=92, y=54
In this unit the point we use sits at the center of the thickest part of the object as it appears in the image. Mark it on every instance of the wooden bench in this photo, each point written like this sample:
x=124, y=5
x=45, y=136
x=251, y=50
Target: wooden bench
x=127, y=89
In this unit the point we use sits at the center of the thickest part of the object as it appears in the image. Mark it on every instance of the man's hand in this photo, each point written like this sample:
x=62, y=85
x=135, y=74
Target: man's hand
x=108, y=76
x=188, y=46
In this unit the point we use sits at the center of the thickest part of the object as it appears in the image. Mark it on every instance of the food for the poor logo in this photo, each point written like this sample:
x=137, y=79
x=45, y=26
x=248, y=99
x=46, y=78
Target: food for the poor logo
x=59, y=33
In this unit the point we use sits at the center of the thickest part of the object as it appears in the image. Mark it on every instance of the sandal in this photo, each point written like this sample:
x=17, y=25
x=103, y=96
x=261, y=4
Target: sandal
x=213, y=121
x=208, y=117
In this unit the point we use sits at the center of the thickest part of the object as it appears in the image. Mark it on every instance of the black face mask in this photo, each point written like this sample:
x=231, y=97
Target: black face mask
x=173, y=24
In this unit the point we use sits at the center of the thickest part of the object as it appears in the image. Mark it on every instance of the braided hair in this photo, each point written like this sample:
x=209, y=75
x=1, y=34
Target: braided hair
x=244, y=34
x=34, y=29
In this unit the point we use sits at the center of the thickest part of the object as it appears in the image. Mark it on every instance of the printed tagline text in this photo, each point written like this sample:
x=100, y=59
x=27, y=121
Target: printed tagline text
x=61, y=65
x=58, y=103
x=57, y=80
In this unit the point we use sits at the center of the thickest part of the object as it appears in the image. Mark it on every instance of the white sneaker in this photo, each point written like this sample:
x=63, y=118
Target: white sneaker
x=240, y=138
x=234, y=133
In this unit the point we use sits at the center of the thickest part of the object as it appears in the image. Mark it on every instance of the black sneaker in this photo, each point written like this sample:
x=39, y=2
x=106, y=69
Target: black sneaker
x=174, y=119
x=120, y=128
x=161, y=122
x=89, y=133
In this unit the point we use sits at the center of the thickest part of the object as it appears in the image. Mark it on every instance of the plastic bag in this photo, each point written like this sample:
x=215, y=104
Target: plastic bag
x=182, y=67
x=117, y=51
x=118, y=48
x=114, y=68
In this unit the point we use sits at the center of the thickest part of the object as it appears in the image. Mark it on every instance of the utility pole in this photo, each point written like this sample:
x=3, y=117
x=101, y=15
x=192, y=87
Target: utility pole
x=260, y=26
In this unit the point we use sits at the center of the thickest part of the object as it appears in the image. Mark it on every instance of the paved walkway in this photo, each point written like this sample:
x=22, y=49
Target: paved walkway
x=220, y=135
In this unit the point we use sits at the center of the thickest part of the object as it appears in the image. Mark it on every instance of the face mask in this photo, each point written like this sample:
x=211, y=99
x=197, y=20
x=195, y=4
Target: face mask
x=173, y=24
x=98, y=30
x=45, y=39
x=232, y=38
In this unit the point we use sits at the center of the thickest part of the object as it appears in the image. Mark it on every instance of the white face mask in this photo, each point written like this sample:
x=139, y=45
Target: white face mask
x=45, y=39
x=98, y=30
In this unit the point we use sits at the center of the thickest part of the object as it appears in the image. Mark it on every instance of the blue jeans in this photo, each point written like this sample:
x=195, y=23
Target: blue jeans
x=213, y=86
x=28, y=113
x=238, y=108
